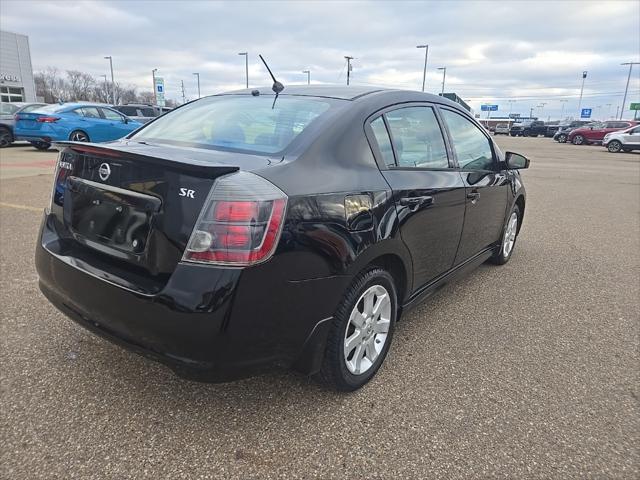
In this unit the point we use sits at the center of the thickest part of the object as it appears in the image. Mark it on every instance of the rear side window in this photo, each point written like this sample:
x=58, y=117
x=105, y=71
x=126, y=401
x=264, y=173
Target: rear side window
x=246, y=123
x=384, y=142
x=472, y=147
x=417, y=138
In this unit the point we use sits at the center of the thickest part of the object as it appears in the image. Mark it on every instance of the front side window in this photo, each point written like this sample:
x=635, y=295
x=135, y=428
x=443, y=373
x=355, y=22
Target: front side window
x=131, y=111
x=384, y=142
x=417, y=138
x=472, y=147
x=247, y=123
x=111, y=115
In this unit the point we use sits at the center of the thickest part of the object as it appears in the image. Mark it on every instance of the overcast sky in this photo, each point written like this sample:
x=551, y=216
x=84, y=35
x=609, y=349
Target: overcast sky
x=528, y=51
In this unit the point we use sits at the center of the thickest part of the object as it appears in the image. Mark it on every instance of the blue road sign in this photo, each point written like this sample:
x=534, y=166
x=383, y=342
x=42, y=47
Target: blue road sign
x=585, y=113
x=489, y=108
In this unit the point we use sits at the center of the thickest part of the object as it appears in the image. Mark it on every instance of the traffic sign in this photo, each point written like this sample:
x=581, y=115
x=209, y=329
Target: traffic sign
x=634, y=106
x=159, y=86
x=489, y=108
x=585, y=113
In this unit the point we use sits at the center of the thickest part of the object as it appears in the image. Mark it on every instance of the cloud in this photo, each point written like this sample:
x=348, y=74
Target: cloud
x=534, y=51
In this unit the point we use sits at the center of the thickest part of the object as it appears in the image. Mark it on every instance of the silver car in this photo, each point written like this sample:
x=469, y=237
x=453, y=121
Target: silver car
x=7, y=121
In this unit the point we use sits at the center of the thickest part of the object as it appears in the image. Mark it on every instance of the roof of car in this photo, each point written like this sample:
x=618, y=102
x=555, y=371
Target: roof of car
x=343, y=92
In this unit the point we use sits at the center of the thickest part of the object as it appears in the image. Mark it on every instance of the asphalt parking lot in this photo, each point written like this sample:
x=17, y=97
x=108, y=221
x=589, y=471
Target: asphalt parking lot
x=529, y=370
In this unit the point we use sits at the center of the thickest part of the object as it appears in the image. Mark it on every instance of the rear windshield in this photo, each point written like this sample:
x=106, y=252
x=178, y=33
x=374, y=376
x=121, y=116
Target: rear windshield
x=243, y=123
x=53, y=108
x=7, y=108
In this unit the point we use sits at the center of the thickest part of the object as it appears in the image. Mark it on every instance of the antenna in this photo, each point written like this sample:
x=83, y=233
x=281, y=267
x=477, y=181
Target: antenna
x=277, y=86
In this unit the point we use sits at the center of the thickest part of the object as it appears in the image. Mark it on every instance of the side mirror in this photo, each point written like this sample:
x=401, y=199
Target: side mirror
x=515, y=161
x=126, y=119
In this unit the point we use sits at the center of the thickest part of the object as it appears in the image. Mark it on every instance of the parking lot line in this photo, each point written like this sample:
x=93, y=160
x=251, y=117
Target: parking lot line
x=21, y=207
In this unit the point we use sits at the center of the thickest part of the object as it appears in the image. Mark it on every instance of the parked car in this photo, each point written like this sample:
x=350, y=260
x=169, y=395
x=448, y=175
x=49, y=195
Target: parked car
x=242, y=231
x=528, y=129
x=595, y=133
x=139, y=112
x=7, y=120
x=502, y=129
x=563, y=130
x=623, y=141
x=551, y=130
x=81, y=122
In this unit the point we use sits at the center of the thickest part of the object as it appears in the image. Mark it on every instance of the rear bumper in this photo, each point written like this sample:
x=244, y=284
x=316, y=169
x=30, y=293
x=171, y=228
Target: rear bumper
x=208, y=324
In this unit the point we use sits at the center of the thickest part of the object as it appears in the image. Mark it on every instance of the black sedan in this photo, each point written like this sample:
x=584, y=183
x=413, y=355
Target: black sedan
x=247, y=231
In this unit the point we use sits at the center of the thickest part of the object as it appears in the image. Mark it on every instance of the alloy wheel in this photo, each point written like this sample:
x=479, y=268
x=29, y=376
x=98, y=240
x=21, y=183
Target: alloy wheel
x=367, y=330
x=614, y=146
x=5, y=138
x=578, y=140
x=510, y=234
x=79, y=137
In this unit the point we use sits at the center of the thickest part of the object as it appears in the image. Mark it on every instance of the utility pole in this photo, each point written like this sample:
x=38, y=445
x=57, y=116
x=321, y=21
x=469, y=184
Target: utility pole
x=444, y=76
x=308, y=72
x=424, y=72
x=153, y=76
x=624, y=100
x=348, y=67
x=562, y=110
x=584, y=75
x=183, y=97
x=198, y=76
x=246, y=66
x=113, y=84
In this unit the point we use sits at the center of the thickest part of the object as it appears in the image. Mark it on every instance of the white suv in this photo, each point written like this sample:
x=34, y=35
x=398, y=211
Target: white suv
x=623, y=141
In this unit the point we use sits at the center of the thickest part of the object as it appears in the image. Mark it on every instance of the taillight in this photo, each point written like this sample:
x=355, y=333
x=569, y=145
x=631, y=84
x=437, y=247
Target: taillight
x=47, y=119
x=240, y=222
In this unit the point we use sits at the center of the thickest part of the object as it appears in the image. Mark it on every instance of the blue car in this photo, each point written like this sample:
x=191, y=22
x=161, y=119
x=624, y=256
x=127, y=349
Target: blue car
x=80, y=122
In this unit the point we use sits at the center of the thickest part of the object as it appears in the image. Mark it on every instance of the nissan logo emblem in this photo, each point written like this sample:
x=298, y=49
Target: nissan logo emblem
x=104, y=171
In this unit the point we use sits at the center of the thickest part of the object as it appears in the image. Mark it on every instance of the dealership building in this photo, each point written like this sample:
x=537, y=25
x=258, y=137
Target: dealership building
x=16, y=73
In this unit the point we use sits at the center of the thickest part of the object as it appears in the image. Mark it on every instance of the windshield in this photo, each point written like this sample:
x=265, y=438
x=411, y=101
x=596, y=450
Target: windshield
x=246, y=123
x=7, y=108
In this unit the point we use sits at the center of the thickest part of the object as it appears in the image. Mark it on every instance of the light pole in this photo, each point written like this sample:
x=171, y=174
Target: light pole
x=113, y=84
x=608, y=111
x=246, y=66
x=624, y=100
x=511, y=102
x=584, y=75
x=198, y=77
x=424, y=72
x=348, y=67
x=106, y=90
x=562, y=109
x=153, y=79
x=444, y=76
x=308, y=72
x=599, y=110
x=541, y=107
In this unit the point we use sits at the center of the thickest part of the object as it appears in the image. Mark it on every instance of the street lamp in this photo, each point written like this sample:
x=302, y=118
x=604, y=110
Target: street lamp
x=562, y=109
x=348, y=58
x=153, y=79
x=444, y=76
x=246, y=66
x=424, y=72
x=308, y=72
x=631, y=64
x=584, y=76
x=511, y=102
x=113, y=84
x=198, y=76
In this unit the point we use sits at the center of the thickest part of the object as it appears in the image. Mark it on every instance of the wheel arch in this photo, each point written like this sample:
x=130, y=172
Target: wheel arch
x=520, y=202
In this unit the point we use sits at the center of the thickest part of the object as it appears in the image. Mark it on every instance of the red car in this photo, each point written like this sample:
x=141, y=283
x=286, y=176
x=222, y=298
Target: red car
x=594, y=133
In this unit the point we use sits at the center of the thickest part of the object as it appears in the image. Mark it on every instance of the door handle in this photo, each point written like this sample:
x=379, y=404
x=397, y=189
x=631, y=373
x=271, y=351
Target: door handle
x=473, y=196
x=416, y=202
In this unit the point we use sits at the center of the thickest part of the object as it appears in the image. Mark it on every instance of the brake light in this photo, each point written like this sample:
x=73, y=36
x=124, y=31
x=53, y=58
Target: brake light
x=47, y=119
x=240, y=222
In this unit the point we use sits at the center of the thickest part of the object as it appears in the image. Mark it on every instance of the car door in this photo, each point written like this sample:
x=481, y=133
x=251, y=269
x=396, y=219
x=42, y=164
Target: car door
x=486, y=184
x=427, y=189
x=631, y=138
x=118, y=124
x=91, y=123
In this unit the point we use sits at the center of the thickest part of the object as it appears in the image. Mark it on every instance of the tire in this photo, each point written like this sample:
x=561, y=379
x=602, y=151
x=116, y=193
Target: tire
x=41, y=145
x=79, y=136
x=509, y=236
x=615, y=146
x=6, y=137
x=578, y=140
x=341, y=371
x=562, y=138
